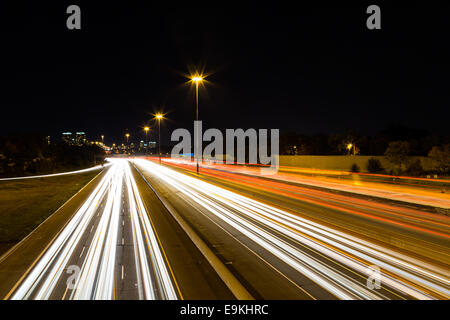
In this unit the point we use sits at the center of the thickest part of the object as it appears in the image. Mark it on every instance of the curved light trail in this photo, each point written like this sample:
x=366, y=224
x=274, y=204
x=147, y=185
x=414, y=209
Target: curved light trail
x=57, y=174
x=284, y=235
x=382, y=190
x=93, y=231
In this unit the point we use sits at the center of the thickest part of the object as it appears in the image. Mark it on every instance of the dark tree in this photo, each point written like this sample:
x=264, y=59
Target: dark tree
x=397, y=153
x=354, y=168
x=440, y=157
x=374, y=166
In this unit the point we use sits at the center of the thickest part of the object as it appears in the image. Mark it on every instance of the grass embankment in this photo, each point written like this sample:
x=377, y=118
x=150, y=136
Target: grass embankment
x=24, y=204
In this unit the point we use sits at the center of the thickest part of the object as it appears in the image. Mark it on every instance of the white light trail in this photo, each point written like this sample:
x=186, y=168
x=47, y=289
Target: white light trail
x=56, y=257
x=57, y=174
x=141, y=222
x=100, y=258
x=256, y=220
x=96, y=278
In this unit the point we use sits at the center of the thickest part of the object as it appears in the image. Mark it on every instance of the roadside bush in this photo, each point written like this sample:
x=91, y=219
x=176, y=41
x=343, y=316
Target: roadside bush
x=374, y=166
x=415, y=168
x=397, y=153
x=354, y=168
x=441, y=158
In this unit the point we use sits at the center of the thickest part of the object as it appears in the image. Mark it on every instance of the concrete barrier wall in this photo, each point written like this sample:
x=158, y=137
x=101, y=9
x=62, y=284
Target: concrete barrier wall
x=343, y=162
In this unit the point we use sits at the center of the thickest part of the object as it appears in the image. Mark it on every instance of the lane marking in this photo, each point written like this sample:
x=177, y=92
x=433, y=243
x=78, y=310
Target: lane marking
x=65, y=292
x=82, y=251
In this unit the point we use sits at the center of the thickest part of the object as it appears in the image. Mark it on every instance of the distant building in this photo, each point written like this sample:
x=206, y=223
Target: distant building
x=67, y=138
x=80, y=138
x=77, y=139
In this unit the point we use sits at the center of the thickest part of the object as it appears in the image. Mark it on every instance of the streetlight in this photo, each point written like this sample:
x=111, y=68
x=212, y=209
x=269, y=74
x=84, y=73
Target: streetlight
x=127, y=135
x=158, y=117
x=103, y=137
x=146, y=131
x=197, y=79
x=350, y=146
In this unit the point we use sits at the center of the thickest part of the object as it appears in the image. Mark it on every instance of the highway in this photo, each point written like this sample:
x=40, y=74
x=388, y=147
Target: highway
x=420, y=191
x=108, y=246
x=275, y=240
x=297, y=257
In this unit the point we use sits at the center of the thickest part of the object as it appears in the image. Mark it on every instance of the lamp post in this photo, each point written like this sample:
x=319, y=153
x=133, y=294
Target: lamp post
x=197, y=80
x=350, y=146
x=103, y=137
x=158, y=117
x=146, y=131
x=127, y=135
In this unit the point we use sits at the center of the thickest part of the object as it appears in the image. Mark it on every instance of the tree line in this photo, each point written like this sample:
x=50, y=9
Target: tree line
x=396, y=143
x=420, y=142
x=31, y=154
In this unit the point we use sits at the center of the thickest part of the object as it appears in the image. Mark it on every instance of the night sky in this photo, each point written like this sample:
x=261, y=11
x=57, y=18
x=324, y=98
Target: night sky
x=304, y=69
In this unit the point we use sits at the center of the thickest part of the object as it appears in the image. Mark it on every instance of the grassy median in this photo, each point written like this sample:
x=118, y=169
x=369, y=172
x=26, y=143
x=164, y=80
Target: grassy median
x=24, y=204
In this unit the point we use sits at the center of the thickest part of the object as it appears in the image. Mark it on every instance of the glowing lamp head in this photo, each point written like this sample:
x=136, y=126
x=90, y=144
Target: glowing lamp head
x=349, y=146
x=127, y=135
x=197, y=79
x=146, y=128
x=159, y=116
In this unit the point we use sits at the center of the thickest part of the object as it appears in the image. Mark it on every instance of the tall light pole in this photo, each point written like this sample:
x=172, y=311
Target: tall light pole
x=197, y=80
x=350, y=146
x=146, y=131
x=127, y=135
x=158, y=117
x=103, y=137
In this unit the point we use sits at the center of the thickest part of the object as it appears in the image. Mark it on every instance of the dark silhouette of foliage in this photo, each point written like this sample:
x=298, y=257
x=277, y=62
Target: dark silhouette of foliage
x=374, y=166
x=397, y=153
x=354, y=168
x=31, y=154
x=415, y=168
x=440, y=157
